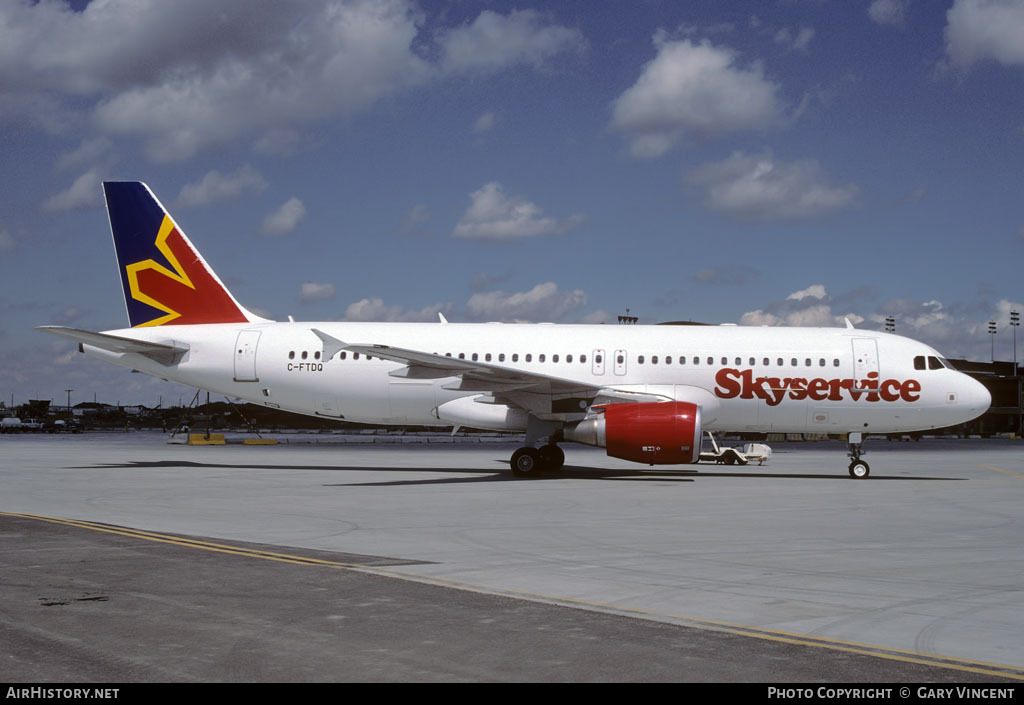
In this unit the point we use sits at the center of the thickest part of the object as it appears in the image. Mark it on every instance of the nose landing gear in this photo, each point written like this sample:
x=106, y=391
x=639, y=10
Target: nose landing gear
x=858, y=468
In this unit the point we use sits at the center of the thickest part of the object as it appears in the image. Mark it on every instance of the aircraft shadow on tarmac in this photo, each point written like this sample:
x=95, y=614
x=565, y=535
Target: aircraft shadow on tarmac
x=467, y=475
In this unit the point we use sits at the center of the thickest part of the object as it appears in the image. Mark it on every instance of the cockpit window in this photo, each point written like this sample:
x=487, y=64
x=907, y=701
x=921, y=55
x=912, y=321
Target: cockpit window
x=919, y=363
x=934, y=363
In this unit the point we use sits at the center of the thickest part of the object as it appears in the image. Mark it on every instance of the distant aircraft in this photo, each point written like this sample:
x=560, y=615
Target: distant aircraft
x=645, y=393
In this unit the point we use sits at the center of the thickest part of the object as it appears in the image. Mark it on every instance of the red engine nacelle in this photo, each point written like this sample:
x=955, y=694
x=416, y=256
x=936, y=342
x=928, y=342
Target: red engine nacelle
x=663, y=433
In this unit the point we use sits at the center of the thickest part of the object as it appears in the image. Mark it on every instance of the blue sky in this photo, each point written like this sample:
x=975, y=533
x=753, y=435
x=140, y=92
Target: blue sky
x=786, y=162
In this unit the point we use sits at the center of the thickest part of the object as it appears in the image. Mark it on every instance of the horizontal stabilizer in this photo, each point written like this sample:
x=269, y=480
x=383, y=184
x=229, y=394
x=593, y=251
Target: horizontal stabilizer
x=164, y=353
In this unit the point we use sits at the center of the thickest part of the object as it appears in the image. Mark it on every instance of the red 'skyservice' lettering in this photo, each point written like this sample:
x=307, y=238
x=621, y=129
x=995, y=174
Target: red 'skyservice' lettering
x=733, y=383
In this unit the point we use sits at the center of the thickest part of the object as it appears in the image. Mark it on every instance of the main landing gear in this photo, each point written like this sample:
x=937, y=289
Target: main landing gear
x=858, y=468
x=529, y=462
x=541, y=452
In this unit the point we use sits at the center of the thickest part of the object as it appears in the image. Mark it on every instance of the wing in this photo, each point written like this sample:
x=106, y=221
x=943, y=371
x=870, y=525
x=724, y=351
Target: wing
x=166, y=354
x=545, y=396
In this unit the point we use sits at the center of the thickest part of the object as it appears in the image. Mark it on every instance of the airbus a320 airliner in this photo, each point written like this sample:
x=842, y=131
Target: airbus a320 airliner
x=645, y=393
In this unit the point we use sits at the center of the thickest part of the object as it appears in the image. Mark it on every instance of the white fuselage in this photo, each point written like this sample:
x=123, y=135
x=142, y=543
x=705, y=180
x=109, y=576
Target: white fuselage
x=758, y=379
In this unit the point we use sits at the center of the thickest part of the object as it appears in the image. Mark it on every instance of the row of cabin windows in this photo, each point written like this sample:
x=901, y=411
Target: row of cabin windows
x=641, y=359
x=316, y=355
x=779, y=361
x=528, y=357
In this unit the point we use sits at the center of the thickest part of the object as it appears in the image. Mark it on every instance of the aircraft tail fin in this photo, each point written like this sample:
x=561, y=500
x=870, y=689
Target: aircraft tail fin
x=165, y=279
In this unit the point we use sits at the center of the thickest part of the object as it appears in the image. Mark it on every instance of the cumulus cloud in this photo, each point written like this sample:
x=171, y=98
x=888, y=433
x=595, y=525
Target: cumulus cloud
x=758, y=187
x=376, y=310
x=484, y=123
x=543, y=302
x=697, y=91
x=492, y=41
x=494, y=216
x=312, y=291
x=955, y=331
x=979, y=30
x=215, y=186
x=285, y=219
x=810, y=307
x=84, y=192
x=815, y=291
x=414, y=220
x=889, y=12
x=187, y=75
x=89, y=151
x=794, y=40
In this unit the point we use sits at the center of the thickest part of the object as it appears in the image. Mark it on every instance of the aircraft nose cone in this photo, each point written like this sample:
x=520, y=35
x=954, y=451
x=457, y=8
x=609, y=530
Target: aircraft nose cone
x=979, y=398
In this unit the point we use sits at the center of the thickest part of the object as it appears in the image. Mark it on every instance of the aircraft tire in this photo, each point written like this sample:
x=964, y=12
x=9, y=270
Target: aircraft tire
x=552, y=458
x=526, y=462
x=859, y=470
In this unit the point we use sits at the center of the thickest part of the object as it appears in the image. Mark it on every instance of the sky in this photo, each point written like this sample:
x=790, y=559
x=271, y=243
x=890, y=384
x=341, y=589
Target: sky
x=779, y=162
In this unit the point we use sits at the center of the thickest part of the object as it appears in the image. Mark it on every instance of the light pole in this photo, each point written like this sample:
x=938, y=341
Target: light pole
x=890, y=324
x=1015, y=321
x=992, y=332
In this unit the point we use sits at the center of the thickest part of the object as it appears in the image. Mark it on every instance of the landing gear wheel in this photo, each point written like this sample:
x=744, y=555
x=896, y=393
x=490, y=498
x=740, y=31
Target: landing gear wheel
x=859, y=470
x=552, y=458
x=526, y=462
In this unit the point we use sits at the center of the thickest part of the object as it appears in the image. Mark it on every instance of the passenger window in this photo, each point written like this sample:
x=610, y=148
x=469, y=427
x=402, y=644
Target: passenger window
x=821, y=362
x=583, y=359
x=291, y=355
x=835, y=362
x=807, y=362
x=598, y=359
x=739, y=361
x=487, y=357
x=711, y=360
x=462, y=356
x=316, y=355
x=515, y=357
x=355, y=356
x=620, y=359
x=640, y=359
x=474, y=357
x=793, y=362
x=696, y=360
x=682, y=359
x=765, y=362
x=654, y=359
x=752, y=361
x=779, y=361
x=501, y=357
x=529, y=357
x=568, y=358
x=343, y=355
x=554, y=358
x=541, y=357
x=668, y=359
